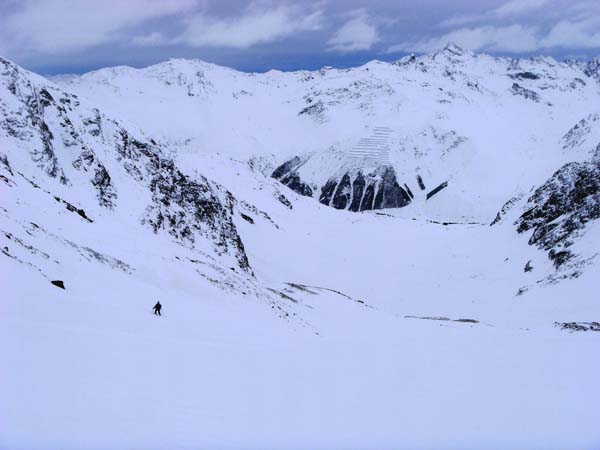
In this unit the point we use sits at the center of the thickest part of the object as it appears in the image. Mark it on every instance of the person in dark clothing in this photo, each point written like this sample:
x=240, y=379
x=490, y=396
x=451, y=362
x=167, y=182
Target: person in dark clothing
x=157, y=308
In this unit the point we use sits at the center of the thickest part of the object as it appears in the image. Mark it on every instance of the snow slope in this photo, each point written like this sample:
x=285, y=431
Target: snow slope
x=487, y=126
x=288, y=323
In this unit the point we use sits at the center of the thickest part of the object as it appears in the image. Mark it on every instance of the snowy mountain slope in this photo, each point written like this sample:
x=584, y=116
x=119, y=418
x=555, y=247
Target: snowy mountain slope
x=78, y=146
x=453, y=117
x=293, y=323
x=558, y=214
x=79, y=188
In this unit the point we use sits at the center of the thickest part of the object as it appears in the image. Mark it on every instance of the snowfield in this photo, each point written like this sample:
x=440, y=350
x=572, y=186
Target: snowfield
x=466, y=320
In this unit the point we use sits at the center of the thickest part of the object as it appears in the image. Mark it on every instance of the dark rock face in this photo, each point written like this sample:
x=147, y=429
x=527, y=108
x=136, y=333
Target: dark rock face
x=286, y=174
x=343, y=193
x=358, y=187
x=58, y=283
x=6, y=177
x=327, y=191
x=287, y=167
x=74, y=209
x=354, y=190
x=506, y=208
x=524, y=76
x=248, y=219
x=576, y=136
x=294, y=182
x=284, y=201
x=525, y=93
x=592, y=69
x=578, y=326
x=315, y=110
x=560, y=210
x=437, y=189
x=183, y=207
x=357, y=191
x=101, y=179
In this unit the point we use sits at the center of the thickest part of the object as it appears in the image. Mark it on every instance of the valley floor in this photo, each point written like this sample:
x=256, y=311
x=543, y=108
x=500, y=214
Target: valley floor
x=91, y=367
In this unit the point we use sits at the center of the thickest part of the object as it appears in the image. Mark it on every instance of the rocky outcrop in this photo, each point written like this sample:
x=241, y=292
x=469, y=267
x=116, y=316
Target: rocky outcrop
x=561, y=209
x=58, y=283
x=356, y=190
x=578, y=326
x=437, y=189
x=524, y=76
x=528, y=94
x=288, y=175
x=506, y=208
x=592, y=69
x=577, y=136
x=185, y=208
x=314, y=110
x=26, y=121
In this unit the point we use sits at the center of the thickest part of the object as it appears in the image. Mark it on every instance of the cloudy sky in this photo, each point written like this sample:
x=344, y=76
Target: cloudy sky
x=73, y=36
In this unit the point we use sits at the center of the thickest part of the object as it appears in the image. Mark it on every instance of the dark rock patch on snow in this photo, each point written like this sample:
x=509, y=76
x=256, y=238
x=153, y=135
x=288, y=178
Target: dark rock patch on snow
x=524, y=76
x=442, y=319
x=74, y=209
x=247, y=218
x=578, y=326
x=437, y=189
x=525, y=93
x=58, y=283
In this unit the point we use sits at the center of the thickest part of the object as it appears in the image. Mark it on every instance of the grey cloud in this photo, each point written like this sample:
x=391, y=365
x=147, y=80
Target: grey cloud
x=76, y=35
x=256, y=26
x=60, y=26
x=509, y=28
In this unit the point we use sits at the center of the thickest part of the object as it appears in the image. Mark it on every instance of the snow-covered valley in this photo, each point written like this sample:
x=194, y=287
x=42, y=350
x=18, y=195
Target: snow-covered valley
x=461, y=318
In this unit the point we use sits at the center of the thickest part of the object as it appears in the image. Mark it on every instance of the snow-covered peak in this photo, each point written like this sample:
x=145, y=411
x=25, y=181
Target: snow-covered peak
x=454, y=50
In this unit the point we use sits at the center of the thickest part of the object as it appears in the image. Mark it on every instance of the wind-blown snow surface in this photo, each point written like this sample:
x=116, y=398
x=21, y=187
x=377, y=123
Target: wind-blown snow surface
x=287, y=323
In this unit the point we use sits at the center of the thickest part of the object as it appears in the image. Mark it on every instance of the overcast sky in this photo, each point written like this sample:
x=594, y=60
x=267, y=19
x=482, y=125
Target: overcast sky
x=74, y=36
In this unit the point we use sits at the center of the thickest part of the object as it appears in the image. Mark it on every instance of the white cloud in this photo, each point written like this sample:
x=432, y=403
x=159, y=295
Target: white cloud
x=55, y=26
x=578, y=30
x=358, y=33
x=257, y=26
x=584, y=34
x=512, y=39
x=509, y=9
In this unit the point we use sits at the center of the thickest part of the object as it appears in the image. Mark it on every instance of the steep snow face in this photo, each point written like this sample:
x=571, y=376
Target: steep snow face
x=484, y=128
x=92, y=160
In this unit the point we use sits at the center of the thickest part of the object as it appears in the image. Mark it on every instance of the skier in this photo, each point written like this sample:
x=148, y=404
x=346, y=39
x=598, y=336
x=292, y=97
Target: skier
x=157, y=308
